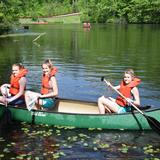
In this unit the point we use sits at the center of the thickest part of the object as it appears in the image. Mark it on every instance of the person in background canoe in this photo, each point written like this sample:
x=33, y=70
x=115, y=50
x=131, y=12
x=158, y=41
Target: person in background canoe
x=86, y=25
x=128, y=88
x=49, y=89
x=13, y=93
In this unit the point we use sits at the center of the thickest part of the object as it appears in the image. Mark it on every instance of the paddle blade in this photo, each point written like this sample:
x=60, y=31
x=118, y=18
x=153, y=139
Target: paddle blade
x=154, y=124
x=31, y=104
x=102, y=78
x=143, y=107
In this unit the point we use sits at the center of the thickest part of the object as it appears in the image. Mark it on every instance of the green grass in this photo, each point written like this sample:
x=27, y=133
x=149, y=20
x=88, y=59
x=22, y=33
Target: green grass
x=68, y=19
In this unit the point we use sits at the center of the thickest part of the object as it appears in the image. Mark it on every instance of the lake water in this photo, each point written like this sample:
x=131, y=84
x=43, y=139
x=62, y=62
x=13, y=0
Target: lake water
x=82, y=58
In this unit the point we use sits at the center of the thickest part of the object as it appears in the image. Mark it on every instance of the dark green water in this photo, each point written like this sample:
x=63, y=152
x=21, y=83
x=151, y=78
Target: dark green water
x=82, y=58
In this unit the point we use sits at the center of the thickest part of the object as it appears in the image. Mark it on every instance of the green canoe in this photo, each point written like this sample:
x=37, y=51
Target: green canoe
x=82, y=114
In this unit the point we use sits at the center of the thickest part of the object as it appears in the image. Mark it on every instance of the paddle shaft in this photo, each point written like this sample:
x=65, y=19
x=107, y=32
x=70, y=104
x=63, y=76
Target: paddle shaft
x=6, y=96
x=123, y=97
x=38, y=37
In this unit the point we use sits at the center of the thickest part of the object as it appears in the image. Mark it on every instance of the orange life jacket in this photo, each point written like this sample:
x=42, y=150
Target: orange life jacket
x=14, y=82
x=126, y=91
x=45, y=81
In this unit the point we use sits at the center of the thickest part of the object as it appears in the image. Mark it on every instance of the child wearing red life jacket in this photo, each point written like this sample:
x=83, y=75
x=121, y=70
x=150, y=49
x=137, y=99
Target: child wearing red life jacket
x=49, y=89
x=128, y=88
x=13, y=93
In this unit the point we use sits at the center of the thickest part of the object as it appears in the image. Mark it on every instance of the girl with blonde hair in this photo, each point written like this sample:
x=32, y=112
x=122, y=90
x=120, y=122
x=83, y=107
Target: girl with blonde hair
x=49, y=89
x=128, y=88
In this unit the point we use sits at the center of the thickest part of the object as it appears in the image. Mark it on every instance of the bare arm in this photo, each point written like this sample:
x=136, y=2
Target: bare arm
x=135, y=93
x=117, y=87
x=54, y=93
x=110, y=85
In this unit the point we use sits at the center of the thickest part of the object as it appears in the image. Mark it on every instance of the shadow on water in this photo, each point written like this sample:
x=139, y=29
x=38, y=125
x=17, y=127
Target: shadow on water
x=5, y=120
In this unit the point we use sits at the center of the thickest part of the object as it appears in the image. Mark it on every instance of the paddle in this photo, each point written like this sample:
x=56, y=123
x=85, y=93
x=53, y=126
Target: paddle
x=31, y=104
x=5, y=96
x=6, y=117
x=38, y=37
x=154, y=124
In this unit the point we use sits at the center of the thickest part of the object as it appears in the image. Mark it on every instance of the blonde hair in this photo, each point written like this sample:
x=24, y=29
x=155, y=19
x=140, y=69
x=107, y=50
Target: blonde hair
x=130, y=72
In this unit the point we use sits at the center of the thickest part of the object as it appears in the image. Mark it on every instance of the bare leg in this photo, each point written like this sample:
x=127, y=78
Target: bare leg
x=101, y=105
x=107, y=109
x=107, y=103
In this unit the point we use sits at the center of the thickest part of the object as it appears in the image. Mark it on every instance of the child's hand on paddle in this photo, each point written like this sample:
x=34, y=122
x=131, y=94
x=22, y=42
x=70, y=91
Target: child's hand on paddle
x=129, y=101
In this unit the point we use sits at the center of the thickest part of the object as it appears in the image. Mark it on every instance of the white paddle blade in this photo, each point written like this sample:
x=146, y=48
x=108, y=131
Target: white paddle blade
x=31, y=104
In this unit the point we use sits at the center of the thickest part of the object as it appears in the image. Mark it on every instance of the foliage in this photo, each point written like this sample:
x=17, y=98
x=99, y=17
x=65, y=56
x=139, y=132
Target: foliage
x=99, y=11
x=128, y=11
x=7, y=15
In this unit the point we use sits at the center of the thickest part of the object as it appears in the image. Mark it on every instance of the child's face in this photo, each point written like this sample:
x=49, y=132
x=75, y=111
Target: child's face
x=45, y=69
x=15, y=70
x=127, y=78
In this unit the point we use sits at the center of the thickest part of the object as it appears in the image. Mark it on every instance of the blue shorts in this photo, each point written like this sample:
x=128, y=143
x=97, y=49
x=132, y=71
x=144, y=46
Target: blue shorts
x=124, y=109
x=48, y=102
x=19, y=101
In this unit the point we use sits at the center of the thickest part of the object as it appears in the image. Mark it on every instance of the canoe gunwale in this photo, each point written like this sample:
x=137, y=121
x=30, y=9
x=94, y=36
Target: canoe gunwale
x=87, y=114
x=129, y=121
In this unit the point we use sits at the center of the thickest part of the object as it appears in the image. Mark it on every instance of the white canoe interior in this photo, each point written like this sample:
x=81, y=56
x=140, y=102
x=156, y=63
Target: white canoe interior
x=77, y=107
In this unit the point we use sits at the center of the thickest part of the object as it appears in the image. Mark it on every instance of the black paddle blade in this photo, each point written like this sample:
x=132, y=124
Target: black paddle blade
x=102, y=78
x=154, y=124
x=143, y=107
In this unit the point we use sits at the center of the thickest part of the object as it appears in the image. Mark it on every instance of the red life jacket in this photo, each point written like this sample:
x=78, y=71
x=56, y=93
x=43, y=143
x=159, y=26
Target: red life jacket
x=14, y=82
x=45, y=81
x=126, y=91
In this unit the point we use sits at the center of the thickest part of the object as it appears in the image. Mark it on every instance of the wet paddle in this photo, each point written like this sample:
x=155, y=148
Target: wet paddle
x=154, y=124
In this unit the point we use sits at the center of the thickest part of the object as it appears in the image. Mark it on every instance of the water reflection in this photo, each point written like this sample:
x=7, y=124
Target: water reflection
x=82, y=58
x=58, y=142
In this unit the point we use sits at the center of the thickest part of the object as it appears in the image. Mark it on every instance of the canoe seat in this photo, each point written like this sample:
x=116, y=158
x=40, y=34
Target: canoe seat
x=77, y=107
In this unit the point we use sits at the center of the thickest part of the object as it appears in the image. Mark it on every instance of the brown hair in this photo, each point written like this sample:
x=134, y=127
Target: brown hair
x=20, y=65
x=48, y=62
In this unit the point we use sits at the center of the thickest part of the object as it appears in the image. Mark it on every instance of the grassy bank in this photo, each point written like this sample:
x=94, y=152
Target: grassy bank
x=69, y=18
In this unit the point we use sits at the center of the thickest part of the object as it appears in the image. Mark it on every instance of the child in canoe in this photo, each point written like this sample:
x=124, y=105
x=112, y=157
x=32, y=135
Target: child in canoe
x=49, y=89
x=128, y=88
x=13, y=93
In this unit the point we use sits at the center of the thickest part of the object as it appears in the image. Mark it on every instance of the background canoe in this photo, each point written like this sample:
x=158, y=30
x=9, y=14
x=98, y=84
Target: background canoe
x=40, y=22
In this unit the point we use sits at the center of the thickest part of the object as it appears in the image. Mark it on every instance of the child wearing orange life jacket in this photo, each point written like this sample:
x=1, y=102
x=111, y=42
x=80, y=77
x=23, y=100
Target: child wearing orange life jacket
x=128, y=88
x=13, y=93
x=49, y=89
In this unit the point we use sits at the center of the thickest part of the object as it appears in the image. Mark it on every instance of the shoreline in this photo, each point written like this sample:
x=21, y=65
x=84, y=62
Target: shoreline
x=67, y=18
